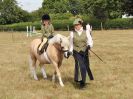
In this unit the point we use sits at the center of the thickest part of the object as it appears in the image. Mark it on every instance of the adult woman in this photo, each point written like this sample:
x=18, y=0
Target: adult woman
x=80, y=42
x=47, y=30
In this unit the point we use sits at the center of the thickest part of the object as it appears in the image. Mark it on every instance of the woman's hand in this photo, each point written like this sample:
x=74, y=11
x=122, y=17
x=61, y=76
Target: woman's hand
x=87, y=51
x=88, y=48
x=88, y=27
x=69, y=53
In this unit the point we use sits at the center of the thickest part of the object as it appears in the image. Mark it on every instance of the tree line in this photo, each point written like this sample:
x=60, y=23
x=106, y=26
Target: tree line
x=10, y=12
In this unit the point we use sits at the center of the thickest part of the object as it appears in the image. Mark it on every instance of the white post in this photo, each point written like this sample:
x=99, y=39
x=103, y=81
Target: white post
x=101, y=26
x=30, y=30
x=27, y=31
x=68, y=27
x=34, y=29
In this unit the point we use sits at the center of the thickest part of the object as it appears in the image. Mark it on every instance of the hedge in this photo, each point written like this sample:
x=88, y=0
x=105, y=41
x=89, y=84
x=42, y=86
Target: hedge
x=63, y=24
x=126, y=23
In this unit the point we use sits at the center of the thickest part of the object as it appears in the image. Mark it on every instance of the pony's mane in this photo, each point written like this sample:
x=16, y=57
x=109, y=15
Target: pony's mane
x=56, y=39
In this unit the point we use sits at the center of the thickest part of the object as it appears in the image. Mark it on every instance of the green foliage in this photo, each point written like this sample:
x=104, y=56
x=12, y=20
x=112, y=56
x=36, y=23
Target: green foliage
x=60, y=16
x=128, y=7
x=114, y=8
x=101, y=9
x=20, y=26
x=58, y=25
x=63, y=24
x=92, y=21
x=36, y=15
x=119, y=24
x=11, y=13
x=97, y=8
x=55, y=6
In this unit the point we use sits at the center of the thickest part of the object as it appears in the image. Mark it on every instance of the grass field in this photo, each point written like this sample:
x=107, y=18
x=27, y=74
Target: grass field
x=113, y=80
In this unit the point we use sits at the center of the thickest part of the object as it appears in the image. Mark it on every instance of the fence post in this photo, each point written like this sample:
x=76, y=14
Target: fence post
x=34, y=29
x=27, y=30
x=68, y=27
x=30, y=30
x=101, y=25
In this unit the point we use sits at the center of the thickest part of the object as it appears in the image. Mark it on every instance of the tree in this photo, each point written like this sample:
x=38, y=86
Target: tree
x=114, y=8
x=104, y=9
x=128, y=7
x=11, y=13
x=55, y=6
x=36, y=15
x=76, y=6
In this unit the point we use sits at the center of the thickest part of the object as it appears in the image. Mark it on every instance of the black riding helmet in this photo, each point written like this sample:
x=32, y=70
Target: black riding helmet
x=45, y=17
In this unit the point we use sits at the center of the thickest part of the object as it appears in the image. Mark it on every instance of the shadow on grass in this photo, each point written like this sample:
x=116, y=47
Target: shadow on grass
x=76, y=85
x=65, y=79
x=40, y=76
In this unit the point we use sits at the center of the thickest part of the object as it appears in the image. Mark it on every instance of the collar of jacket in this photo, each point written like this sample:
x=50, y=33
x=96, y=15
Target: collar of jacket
x=79, y=31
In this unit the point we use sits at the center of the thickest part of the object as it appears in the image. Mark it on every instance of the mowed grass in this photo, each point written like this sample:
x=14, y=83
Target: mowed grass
x=113, y=80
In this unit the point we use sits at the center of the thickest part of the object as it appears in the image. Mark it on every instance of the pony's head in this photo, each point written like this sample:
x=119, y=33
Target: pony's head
x=63, y=41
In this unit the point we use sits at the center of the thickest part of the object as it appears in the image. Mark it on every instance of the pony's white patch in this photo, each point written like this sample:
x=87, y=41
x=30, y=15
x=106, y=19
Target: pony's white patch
x=34, y=74
x=57, y=38
x=46, y=57
x=65, y=54
x=43, y=72
x=53, y=78
x=60, y=81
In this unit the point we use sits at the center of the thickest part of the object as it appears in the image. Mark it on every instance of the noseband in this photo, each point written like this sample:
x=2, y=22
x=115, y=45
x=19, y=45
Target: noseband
x=64, y=51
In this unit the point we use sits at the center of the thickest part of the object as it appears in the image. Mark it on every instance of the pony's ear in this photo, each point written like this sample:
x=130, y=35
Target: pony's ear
x=60, y=40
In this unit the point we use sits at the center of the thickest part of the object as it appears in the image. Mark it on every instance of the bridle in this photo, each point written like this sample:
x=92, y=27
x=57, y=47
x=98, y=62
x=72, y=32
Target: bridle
x=64, y=51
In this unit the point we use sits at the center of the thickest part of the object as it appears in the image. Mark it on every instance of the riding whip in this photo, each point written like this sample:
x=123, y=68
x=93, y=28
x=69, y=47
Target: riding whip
x=97, y=55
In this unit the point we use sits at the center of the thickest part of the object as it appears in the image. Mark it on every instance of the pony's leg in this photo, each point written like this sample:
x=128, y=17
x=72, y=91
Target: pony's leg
x=43, y=72
x=58, y=73
x=32, y=62
x=54, y=76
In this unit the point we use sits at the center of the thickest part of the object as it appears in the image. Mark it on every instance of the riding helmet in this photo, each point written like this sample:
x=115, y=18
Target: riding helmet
x=45, y=17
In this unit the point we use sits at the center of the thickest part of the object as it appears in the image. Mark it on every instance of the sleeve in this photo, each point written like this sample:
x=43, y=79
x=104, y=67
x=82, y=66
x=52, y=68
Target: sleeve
x=43, y=31
x=88, y=34
x=71, y=42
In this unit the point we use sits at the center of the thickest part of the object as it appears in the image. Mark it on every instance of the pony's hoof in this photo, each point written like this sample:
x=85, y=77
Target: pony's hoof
x=36, y=79
x=44, y=78
x=53, y=78
x=62, y=85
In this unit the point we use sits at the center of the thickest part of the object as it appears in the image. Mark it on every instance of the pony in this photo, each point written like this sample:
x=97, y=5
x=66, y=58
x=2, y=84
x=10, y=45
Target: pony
x=57, y=47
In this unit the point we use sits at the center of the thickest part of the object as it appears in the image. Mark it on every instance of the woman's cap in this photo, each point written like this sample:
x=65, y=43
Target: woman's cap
x=77, y=21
